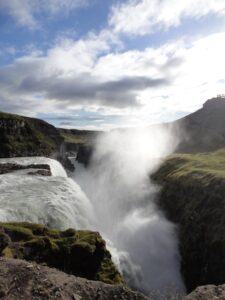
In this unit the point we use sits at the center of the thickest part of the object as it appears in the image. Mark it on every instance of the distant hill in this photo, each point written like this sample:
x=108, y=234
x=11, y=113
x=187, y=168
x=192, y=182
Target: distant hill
x=23, y=136
x=203, y=130
x=76, y=137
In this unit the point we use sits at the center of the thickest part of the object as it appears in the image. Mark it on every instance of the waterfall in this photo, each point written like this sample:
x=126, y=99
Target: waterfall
x=143, y=243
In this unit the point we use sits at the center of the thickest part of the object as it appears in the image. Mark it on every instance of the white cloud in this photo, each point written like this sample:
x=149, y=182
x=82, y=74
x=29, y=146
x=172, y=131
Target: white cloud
x=139, y=87
x=24, y=12
x=140, y=17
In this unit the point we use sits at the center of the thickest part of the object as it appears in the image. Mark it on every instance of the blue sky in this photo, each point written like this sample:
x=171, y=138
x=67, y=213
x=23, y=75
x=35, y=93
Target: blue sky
x=103, y=64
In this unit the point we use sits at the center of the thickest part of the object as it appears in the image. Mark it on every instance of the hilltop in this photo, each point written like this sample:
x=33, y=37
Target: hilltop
x=203, y=130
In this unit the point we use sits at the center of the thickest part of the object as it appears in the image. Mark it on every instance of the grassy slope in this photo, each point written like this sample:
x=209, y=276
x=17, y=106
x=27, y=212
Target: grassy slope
x=36, y=137
x=74, y=136
x=202, y=167
x=193, y=196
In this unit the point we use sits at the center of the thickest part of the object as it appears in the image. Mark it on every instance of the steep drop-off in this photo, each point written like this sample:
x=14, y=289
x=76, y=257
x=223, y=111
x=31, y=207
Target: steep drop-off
x=22, y=136
x=193, y=196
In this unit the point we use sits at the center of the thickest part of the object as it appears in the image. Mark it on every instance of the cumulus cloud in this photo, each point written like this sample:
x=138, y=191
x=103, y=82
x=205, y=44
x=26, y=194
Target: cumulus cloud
x=141, y=17
x=143, y=86
x=25, y=12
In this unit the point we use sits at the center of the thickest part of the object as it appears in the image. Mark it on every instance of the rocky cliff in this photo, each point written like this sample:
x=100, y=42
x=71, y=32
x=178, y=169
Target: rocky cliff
x=22, y=136
x=203, y=130
x=193, y=196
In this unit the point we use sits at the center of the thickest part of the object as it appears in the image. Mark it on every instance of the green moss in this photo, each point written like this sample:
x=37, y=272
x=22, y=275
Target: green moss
x=82, y=253
x=108, y=273
x=7, y=252
x=17, y=232
x=73, y=138
x=203, y=167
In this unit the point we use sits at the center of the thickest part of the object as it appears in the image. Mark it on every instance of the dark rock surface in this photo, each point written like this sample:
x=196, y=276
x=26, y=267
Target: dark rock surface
x=78, y=252
x=28, y=281
x=67, y=164
x=43, y=169
x=40, y=173
x=84, y=154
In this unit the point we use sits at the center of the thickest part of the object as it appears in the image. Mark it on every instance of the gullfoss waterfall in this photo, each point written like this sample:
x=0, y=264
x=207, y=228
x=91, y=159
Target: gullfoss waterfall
x=118, y=184
x=114, y=196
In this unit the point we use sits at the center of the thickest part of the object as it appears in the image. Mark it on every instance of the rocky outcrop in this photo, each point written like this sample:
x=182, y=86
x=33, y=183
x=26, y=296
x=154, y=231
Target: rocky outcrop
x=193, y=196
x=23, y=280
x=81, y=253
x=42, y=169
x=22, y=136
x=208, y=292
x=84, y=154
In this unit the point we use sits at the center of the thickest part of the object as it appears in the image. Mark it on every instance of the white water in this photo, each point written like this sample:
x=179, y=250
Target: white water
x=56, y=168
x=55, y=201
x=145, y=244
x=120, y=203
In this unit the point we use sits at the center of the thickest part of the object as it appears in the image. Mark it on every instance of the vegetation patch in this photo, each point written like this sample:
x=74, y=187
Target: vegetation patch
x=193, y=196
x=81, y=253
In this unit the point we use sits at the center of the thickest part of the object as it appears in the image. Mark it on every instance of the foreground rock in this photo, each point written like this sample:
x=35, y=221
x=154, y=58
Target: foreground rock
x=208, y=292
x=23, y=280
x=81, y=253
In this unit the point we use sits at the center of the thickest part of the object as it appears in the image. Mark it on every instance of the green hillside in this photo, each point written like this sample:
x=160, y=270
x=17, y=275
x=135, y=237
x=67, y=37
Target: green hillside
x=22, y=136
x=193, y=196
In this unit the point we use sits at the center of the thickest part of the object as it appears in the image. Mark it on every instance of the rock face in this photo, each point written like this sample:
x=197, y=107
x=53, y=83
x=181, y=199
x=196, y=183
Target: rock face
x=84, y=154
x=193, y=196
x=42, y=169
x=204, y=130
x=208, y=292
x=81, y=253
x=23, y=280
x=22, y=136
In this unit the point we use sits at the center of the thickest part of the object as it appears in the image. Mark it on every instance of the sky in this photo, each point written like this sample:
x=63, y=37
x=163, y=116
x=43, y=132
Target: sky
x=104, y=64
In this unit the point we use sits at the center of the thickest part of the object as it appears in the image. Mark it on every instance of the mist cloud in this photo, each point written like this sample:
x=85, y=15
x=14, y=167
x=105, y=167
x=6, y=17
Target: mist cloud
x=117, y=183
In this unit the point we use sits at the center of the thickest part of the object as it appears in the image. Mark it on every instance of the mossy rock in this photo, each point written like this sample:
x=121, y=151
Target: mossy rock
x=81, y=253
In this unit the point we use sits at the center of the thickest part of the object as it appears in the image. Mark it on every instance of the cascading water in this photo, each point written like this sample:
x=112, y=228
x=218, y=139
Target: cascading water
x=120, y=203
x=118, y=185
x=56, y=201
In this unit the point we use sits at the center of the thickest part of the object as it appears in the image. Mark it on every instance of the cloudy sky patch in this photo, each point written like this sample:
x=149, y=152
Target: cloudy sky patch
x=112, y=64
